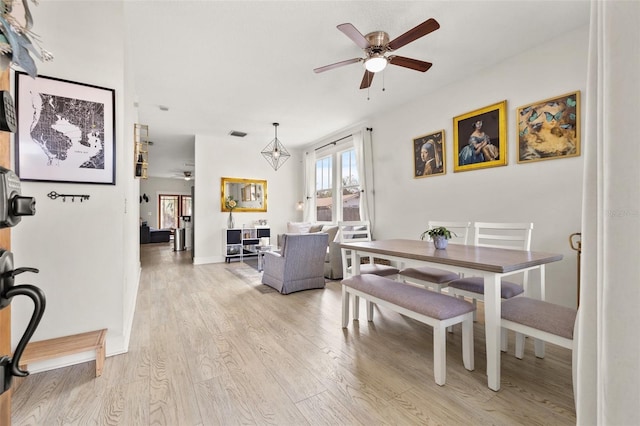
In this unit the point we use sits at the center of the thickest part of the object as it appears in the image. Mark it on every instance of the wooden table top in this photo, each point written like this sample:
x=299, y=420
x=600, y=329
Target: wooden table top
x=467, y=256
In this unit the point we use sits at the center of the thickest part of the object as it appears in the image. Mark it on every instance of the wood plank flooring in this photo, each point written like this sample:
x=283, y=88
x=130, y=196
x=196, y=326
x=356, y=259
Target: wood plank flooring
x=210, y=345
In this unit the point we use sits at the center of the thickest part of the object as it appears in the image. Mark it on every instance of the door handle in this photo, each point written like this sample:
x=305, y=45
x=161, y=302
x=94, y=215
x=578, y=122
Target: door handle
x=39, y=303
x=10, y=367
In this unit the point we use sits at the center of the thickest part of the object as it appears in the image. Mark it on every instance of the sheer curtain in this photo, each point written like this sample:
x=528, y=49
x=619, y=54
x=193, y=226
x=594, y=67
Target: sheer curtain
x=309, y=187
x=362, y=148
x=608, y=351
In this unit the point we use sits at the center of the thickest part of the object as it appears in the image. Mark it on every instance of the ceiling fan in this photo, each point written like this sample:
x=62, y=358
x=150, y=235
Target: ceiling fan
x=186, y=175
x=376, y=44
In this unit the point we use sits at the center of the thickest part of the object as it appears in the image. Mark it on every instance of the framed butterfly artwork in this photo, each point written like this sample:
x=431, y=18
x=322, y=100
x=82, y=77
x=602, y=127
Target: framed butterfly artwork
x=549, y=129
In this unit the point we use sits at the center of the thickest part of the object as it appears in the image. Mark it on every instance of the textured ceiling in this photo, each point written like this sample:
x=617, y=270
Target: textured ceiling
x=241, y=65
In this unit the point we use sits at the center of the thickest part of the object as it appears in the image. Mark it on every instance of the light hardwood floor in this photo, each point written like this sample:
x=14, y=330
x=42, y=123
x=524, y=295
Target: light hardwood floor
x=210, y=345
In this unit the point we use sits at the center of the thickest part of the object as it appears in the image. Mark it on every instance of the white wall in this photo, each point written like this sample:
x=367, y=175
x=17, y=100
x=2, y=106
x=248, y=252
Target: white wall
x=87, y=252
x=548, y=193
x=156, y=186
x=217, y=158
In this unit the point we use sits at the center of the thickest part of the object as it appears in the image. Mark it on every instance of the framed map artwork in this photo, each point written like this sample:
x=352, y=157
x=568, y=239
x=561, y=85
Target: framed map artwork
x=65, y=131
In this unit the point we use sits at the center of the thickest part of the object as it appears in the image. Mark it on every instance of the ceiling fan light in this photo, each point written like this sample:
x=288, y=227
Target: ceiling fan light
x=375, y=63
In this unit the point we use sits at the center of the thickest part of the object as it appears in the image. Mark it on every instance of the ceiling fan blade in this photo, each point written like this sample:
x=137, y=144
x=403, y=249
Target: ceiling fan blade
x=337, y=65
x=415, y=33
x=354, y=35
x=414, y=64
x=366, y=79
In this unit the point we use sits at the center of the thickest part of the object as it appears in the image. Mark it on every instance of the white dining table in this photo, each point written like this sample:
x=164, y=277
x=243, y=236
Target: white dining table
x=491, y=263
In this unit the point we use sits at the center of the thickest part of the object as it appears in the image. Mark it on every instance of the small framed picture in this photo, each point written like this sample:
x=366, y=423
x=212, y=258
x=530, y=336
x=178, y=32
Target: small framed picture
x=428, y=155
x=549, y=129
x=66, y=131
x=480, y=138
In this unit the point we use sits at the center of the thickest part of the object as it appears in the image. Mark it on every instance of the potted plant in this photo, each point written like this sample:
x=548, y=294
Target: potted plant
x=439, y=235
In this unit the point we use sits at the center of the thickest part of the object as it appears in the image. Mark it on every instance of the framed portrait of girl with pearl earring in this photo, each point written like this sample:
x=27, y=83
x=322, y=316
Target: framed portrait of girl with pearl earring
x=480, y=138
x=428, y=155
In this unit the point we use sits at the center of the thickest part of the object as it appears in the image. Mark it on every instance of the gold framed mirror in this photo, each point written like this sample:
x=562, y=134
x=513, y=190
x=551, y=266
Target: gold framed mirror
x=250, y=195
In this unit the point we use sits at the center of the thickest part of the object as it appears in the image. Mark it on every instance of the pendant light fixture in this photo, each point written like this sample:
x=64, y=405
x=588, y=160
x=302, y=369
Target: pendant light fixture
x=275, y=153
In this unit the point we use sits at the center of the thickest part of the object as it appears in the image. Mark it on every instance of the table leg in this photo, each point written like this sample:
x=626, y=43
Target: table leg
x=355, y=263
x=345, y=307
x=538, y=343
x=492, y=328
x=355, y=270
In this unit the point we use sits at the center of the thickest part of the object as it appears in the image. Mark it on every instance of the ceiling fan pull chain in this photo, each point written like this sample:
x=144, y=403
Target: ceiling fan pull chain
x=383, y=74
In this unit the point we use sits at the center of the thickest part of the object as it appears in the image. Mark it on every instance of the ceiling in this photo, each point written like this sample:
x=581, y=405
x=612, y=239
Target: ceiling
x=241, y=65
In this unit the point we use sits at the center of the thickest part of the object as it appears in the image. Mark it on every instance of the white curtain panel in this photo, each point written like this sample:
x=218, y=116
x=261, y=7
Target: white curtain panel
x=362, y=148
x=608, y=343
x=309, y=187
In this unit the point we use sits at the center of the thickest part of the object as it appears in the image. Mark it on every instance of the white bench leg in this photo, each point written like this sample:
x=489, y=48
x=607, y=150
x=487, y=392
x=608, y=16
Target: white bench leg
x=504, y=339
x=475, y=309
x=345, y=307
x=519, y=345
x=440, y=355
x=369, y=311
x=539, y=347
x=467, y=343
x=356, y=307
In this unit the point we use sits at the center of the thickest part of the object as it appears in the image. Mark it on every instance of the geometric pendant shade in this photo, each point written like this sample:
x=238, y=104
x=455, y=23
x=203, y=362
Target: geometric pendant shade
x=275, y=153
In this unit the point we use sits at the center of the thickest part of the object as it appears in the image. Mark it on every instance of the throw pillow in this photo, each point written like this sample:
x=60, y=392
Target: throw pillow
x=332, y=231
x=315, y=228
x=298, y=227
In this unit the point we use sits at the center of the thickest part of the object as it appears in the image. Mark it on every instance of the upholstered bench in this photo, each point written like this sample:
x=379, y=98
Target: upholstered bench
x=434, y=309
x=539, y=319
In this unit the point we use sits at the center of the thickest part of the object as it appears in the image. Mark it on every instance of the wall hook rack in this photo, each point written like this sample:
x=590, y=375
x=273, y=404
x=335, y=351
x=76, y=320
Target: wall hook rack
x=53, y=195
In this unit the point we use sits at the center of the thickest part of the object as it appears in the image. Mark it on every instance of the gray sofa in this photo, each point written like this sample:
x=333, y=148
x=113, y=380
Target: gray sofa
x=299, y=264
x=333, y=261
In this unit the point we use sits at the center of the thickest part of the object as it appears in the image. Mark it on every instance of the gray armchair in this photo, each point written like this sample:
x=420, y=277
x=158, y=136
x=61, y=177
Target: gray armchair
x=299, y=265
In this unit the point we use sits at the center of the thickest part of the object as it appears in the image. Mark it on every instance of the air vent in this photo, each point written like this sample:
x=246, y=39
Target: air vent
x=237, y=134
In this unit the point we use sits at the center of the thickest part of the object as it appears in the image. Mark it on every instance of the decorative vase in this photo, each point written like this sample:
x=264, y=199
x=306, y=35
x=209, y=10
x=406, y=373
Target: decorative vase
x=230, y=223
x=440, y=242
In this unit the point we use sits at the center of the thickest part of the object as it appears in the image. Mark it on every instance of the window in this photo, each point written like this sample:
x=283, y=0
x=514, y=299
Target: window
x=350, y=186
x=324, y=190
x=340, y=201
x=171, y=207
